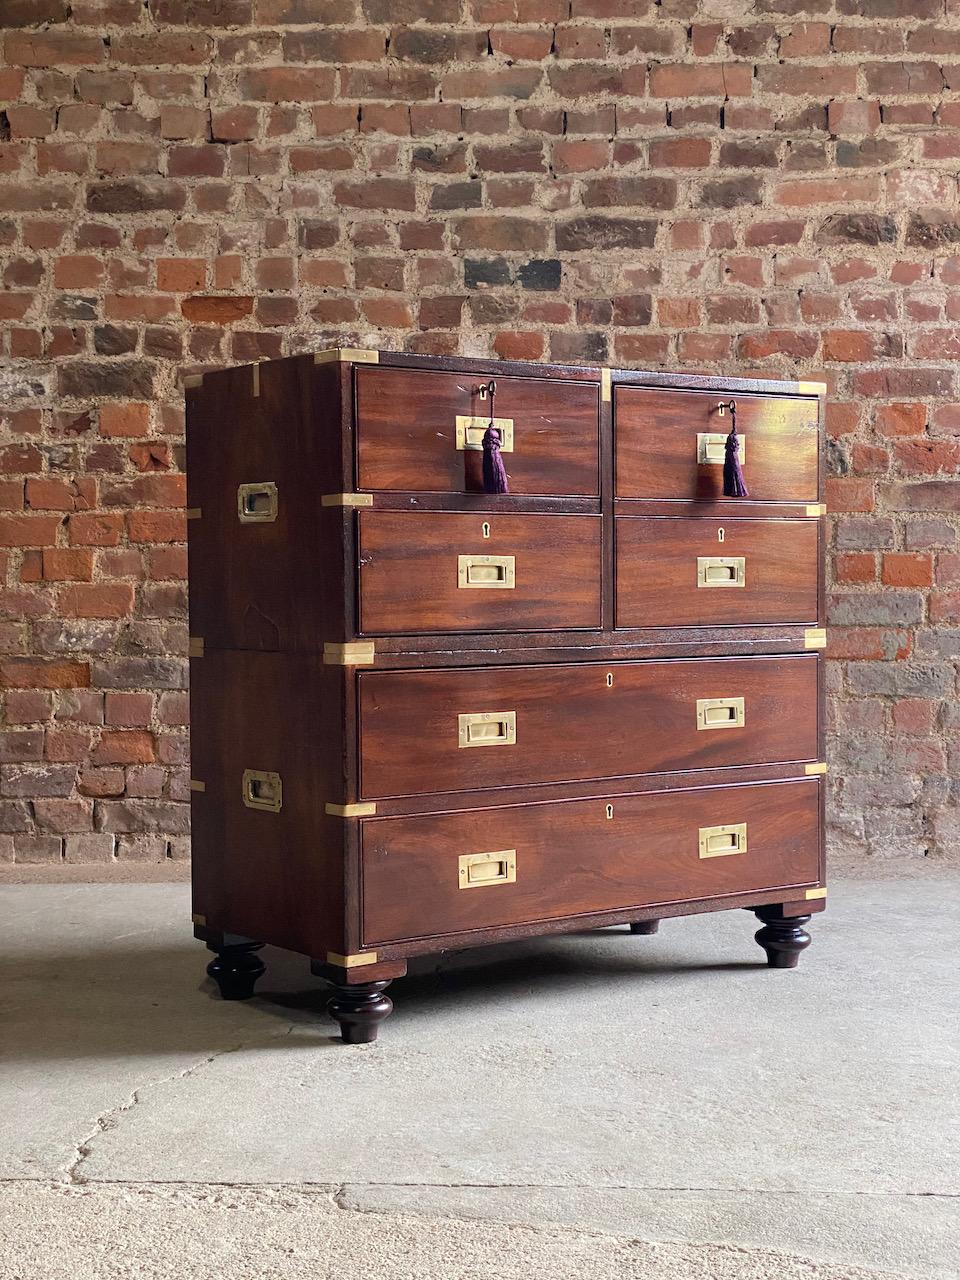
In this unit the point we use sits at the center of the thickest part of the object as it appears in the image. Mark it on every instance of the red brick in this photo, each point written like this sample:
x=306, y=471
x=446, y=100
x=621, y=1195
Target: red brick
x=128, y=710
x=97, y=600
x=851, y=567
x=39, y=673
x=95, y=529
x=53, y=49
x=120, y=746
x=67, y=564
x=157, y=526
x=28, y=531
x=287, y=84
x=706, y=80
x=906, y=569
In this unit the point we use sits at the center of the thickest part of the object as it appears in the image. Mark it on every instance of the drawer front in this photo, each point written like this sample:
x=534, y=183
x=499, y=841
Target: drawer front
x=567, y=722
x=483, y=868
x=686, y=572
x=441, y=571
x=409, y=436
x=658, y=445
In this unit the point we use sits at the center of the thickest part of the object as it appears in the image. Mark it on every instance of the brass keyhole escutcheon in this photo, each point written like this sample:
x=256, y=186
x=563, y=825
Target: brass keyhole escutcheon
x=609, y=810
x=609, y=679
x=485, y=528
x=721, y=534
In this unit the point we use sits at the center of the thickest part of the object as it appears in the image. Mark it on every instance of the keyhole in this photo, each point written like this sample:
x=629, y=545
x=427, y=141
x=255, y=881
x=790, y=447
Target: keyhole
x=609, y=810
x=609, y=679
x=485, y=527
x=721, y=534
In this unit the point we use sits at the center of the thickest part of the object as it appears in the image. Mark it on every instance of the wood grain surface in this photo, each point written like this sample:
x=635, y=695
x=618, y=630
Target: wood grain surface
x=571, y=857
x=571, y=724
x=406, y=432
x=655, y=434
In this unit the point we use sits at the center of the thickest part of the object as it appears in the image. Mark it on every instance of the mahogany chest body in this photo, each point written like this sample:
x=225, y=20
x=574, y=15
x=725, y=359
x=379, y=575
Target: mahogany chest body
x=426, y=717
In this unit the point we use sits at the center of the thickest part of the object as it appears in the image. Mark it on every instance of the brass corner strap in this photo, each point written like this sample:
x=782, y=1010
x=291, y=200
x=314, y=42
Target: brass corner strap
x=351, y=962
x=815, y=638
x=346, y=500
x=812, y=894
x=355, y=653
x=197, y=786
x=812, y=770
x=605, y=390
x=343, y=355
x=195, y=647
x=361, y=810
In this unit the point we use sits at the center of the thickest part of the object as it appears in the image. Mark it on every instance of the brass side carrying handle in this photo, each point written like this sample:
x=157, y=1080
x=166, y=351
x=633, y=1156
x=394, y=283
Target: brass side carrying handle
x=257, y=503
x=487, y=571
x=721, y=571
x=262, y=790
x=482, y=870
x=720, y=713
x=487, y=729
x=712, y=448
x=720, y=842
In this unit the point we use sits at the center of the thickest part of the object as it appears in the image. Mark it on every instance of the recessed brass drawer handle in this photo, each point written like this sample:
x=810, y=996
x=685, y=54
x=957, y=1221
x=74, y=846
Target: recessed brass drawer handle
x=487, y=571
x=470, y=432
x=721, y=571
x=262, y=790
x=480, y=870
x=257, y=503
x=487, y=729
x=718, y=842
x=720, y=713
x=712, y=448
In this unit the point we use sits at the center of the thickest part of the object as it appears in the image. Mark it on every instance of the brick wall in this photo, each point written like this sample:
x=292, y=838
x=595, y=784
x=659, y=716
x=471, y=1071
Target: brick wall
x=763, y=186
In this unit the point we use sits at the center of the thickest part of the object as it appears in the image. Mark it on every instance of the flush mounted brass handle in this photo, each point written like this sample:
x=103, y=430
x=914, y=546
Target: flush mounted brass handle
x=720, y=713
x=721, y=571
x=712, y=448
x=719, y=842
x=471, y=430
x=481, y=870
x=262, y=790
x=487, y=729
x=257, y=503
x=487, y=571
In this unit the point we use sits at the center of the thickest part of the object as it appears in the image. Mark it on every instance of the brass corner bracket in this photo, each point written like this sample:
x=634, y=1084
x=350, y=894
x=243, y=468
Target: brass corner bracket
x=811, y=770
x=342, y=355
x=195, y=647
x=355, y=653
x=362, y=810
x=605, y=391
x=346, y=500
x=351, y=962
x=815, y=638
x=812, y=894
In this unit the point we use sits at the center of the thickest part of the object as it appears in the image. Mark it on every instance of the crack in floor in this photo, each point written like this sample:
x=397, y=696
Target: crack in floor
x=109, y=1119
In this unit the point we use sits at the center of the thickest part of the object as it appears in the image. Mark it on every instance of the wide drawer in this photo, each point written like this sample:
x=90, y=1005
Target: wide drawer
x=453, y=872
x=685, y=572
x=422, y=431
x=669, y=444
x=443, y=571
x=465, y=729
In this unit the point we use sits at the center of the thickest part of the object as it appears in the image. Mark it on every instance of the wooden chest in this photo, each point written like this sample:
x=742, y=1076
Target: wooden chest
x=427, y=716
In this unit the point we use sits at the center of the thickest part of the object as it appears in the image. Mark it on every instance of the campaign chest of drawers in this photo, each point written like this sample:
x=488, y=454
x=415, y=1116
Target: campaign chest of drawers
x=426, y=716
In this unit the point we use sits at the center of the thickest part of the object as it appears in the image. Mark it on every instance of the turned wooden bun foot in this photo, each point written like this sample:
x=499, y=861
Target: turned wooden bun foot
x=359, y=1010
x=645, y=926
x=782, y=937
x=235, y=969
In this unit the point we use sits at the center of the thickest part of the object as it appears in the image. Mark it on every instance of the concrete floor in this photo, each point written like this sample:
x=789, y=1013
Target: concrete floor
x=592, y=1106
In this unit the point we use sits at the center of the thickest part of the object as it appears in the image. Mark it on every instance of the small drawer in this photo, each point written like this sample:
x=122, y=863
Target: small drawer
x=421, y=431
x=669, y=444
x=697, y=572
x=443, y=571
x=451, y=873
x=573, y=722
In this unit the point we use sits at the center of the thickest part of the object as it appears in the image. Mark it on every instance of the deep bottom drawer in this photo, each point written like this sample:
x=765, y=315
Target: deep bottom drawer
x=453, y=872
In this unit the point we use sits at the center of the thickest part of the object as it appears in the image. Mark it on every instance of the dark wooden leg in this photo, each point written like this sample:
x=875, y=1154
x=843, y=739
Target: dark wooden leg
x=236, y=968
x=782, y=937
x=359, y=1010
x=645, y=926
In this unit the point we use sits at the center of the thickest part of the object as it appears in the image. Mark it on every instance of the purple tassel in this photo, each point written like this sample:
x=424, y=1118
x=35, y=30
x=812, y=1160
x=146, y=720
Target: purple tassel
x=494, y=475
x=734, y=485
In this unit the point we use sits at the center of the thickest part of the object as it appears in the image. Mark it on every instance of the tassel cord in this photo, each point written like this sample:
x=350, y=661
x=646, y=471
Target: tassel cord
x=734, y=485
x=494, y=473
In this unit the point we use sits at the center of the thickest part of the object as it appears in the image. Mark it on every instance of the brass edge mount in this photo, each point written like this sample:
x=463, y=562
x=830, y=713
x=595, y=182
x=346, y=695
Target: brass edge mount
x=192, y=380
x=605, y=385
x=811, y=388
x=811, y=769
x=355, y=653
x=340, y=355
x=815, y=638
x=346, y=500
x=194, y=513
x=816, y=508
x=811, y=894
x=197, y=786
x=195, y=649
x=363, y=810
x=351, y=962
x=199, y=919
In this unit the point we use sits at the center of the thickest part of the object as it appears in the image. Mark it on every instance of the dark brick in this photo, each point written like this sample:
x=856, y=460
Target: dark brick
x=857, y=228
x=479, y=271
x=111, y=340
x=457, y=195
x=731, y=192
x=932, y=228
x=136, y=196
x=316, y=234
x=540, y=274
x=605, y=233
x=126, y=379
